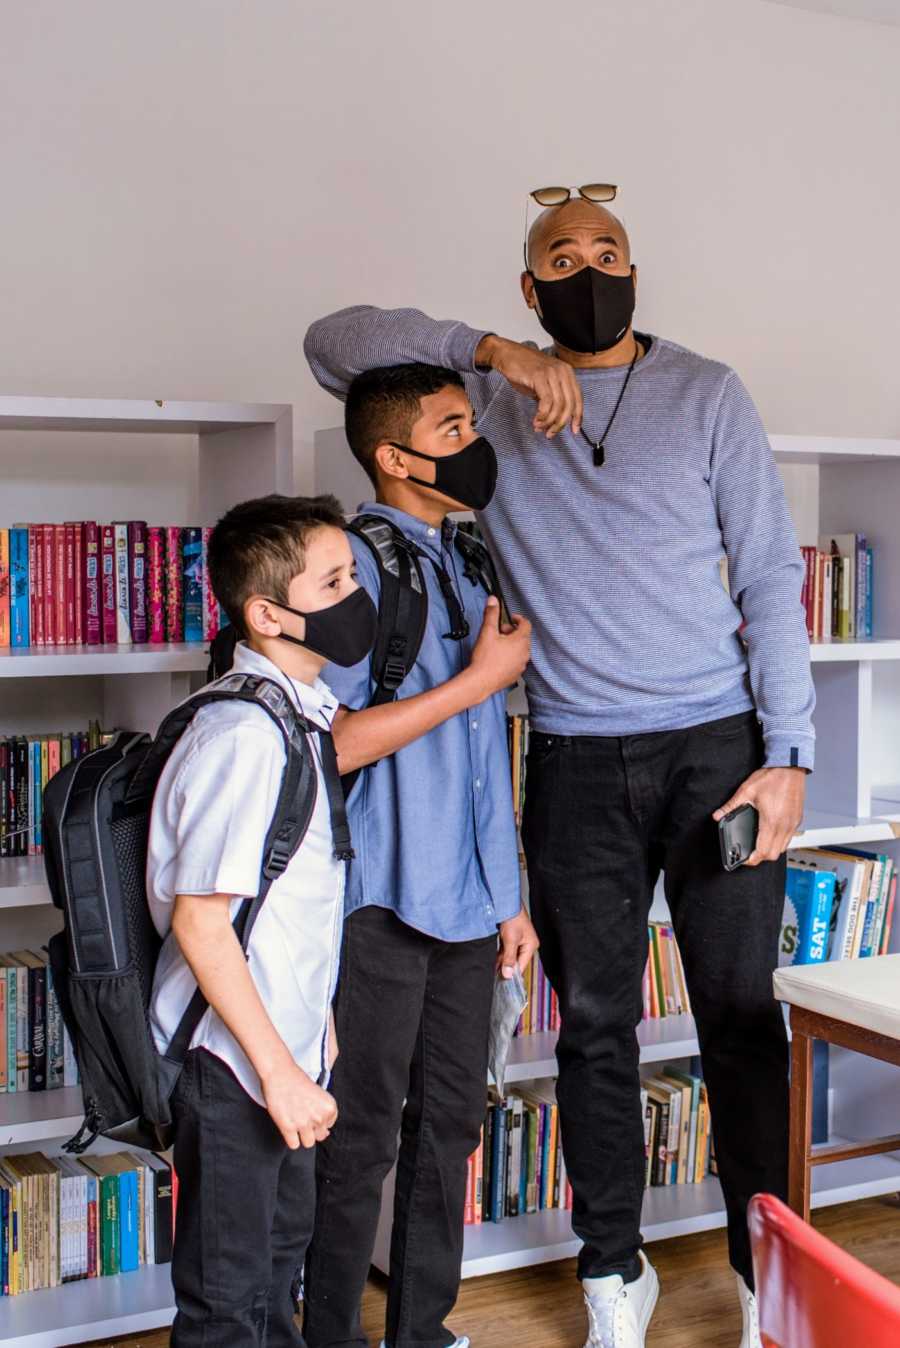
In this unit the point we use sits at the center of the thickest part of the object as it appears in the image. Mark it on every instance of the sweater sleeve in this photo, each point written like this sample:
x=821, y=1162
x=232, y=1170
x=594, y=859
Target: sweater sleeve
x=765, y=573
x=345, y=344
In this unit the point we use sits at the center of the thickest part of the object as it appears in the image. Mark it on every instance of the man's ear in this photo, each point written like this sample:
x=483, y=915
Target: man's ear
x=527, y=283
x=388, y=458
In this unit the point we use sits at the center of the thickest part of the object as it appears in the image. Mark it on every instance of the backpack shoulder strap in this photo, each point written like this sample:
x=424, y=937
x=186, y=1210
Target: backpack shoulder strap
x=402, y=603
x=290, y=818
x=478, y=564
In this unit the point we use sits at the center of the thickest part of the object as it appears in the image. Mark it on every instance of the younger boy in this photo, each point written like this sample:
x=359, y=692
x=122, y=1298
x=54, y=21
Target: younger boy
x=251, y=1102
x=436, y=874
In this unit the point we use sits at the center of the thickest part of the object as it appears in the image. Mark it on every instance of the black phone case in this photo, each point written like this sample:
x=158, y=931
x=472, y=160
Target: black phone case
x=737, y=836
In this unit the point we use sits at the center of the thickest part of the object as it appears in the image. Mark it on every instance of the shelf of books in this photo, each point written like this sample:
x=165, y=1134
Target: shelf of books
x=101, y=626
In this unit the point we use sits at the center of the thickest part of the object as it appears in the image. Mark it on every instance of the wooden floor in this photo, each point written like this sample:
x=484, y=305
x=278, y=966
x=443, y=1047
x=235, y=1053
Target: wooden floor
x=541, y=1307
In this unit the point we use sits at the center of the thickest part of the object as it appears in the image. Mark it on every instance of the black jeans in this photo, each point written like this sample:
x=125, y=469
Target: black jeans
x=603, y=817
x=412, y=1022
x=245, y=1214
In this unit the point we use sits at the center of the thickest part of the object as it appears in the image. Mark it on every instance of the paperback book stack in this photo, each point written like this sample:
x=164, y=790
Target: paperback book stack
x=542, y=1012
x=665, y=988
x=27, y=762
x=839, y=905
x=83, y=583
x=36, y=1052
x=64, y=1219
x=518, y=1166
x=837, y=589
x=518, y=735
x=677, y=1128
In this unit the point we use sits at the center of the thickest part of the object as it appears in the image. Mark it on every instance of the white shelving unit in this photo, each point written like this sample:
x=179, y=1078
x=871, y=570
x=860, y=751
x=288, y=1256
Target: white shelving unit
x=232, y=451
x=833, y=485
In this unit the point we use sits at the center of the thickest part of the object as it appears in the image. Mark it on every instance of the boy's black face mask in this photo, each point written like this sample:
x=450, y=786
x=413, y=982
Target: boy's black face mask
x=343, y=634
x=469, y=476
x=588, y=311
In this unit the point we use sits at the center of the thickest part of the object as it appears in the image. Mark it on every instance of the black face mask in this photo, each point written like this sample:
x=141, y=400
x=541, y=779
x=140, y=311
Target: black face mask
x=469, y=476
x=343, y=634
x=588, y=311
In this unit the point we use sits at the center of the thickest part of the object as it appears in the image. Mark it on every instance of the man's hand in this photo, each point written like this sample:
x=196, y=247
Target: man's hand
x=303, y=1113
x=778, y=795
x=518, y=942
x=500, y=654
x=548, y=380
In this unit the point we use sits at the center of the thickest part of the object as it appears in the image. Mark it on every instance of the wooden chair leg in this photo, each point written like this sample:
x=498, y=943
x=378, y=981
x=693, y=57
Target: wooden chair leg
x=799, y=1169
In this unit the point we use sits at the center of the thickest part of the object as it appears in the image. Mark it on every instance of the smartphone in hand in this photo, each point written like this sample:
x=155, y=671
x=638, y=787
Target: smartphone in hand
x=737, y=836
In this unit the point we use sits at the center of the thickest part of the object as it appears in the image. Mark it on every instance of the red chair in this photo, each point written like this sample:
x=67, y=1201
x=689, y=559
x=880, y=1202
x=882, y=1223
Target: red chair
x=811, y=1293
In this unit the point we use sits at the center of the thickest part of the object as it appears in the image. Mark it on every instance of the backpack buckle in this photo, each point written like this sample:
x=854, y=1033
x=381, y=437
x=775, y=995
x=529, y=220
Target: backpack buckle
x=394, y=672
x=280, y=853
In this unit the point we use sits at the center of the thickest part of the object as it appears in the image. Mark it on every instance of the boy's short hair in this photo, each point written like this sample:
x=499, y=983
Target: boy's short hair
x=259, y=546
x=384, y=405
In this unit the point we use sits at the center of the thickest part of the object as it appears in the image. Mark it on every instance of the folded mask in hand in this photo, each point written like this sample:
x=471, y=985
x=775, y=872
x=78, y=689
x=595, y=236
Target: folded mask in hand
x=510, y=1000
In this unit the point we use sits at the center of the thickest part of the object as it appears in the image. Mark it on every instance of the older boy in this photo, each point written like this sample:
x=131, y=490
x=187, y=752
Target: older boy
x=436, y=874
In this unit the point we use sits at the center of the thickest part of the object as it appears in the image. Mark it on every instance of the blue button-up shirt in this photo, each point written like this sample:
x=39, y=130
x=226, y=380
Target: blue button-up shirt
x=433, y=825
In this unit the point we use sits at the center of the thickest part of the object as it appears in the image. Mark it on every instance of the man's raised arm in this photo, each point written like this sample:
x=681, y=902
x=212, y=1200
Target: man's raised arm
x=345, y=344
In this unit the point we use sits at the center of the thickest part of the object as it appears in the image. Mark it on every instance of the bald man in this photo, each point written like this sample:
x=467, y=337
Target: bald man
x=658, y=701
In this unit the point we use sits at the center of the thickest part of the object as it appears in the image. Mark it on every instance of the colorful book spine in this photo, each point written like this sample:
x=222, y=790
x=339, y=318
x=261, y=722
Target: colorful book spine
x=19, y=596
x=123, y=585
x=36, y=575
x=93, y=597
x=192, y=570
x=50, y=610
x=59, y=583
x=69, y=585
x=137, y=580
x=156, y=593
x=78, y=536
x=5, y=630
x=108, y=587
x=174, y=585
x=210, y=603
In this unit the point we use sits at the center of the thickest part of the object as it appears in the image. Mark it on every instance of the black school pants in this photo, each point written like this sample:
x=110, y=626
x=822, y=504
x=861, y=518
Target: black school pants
x=603, y=817
x=245, y=1214
x=412, y=1023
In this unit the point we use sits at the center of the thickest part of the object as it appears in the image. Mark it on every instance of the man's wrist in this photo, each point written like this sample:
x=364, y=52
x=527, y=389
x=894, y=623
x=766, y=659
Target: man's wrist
x=486, y=350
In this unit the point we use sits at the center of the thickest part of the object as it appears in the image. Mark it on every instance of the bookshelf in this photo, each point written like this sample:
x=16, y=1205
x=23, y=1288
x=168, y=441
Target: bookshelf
x=179, y=462
x=833, y=484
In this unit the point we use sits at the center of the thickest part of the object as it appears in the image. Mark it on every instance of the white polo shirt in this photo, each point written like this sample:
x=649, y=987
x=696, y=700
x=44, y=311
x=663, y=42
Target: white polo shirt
x=211, y=812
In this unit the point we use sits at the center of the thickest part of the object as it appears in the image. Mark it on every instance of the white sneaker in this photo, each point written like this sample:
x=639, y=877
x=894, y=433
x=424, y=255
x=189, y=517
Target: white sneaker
x=460, y=1343
x=619, y=1312
x=750, y=1337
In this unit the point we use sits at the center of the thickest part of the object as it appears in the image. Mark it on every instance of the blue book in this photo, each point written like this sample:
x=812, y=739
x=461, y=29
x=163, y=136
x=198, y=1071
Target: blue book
x=498, y=1165
x=808, y=897
x=19, y=596
x=859, y=599
x=192, y=572
x=129, y=1222
x=37, y=794
x=11, y=1029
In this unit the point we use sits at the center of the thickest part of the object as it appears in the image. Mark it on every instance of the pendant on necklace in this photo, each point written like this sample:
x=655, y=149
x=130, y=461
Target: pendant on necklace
x=599, y=454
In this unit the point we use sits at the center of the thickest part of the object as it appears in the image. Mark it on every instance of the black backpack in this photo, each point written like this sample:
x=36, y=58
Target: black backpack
x=402, y=604
x=96, y=824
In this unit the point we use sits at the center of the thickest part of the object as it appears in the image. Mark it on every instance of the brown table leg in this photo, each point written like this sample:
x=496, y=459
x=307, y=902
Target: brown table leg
x=801, y=1122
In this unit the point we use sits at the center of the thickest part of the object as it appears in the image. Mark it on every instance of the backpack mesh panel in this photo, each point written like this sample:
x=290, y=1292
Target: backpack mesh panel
x=129, y=838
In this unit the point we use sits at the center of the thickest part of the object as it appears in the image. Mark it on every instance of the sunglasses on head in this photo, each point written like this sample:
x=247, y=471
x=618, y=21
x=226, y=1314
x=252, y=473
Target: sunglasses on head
x=558, y=196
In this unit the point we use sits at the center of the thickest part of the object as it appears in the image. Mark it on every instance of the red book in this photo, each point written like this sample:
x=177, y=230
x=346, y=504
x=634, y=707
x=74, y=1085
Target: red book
x=69, y=583
x=93, y=606
x=78, y=539
x=108, y=583
x=59, y=582
x=156, y=586
x=137, y=580
x=93, y=1270
x=36, y=582
x=174, y=1200
x=174, y=585
x=49, y=587
x=210, y=602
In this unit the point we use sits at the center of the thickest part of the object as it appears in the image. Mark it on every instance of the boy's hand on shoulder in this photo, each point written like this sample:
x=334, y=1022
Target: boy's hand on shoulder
x=303, y=1113
x=501, y=653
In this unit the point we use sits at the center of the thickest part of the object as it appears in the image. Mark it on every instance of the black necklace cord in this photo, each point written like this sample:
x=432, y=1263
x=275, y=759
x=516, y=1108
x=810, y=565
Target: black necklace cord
x=599, y=446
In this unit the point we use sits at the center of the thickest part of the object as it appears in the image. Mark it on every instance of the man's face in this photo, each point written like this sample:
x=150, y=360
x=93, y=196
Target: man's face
x=567, y=238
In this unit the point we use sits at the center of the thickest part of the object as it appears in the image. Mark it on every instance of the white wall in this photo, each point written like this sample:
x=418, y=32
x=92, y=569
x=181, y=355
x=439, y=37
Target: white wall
x=186, y=185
